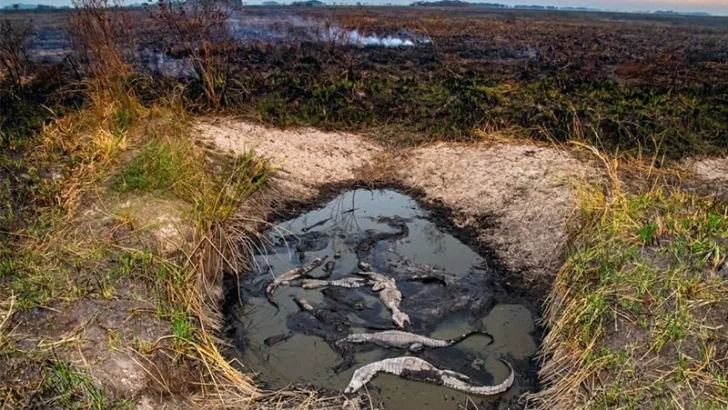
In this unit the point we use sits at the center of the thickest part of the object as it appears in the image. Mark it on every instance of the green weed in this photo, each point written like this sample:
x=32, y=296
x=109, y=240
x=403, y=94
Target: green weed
x=158, y=166
x=67, y=388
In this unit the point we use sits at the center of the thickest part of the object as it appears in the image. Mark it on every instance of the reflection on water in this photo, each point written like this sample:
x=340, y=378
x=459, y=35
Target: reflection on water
x=464, y=300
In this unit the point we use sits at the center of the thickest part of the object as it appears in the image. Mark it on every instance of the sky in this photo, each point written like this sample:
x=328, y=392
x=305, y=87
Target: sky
x=717, y=7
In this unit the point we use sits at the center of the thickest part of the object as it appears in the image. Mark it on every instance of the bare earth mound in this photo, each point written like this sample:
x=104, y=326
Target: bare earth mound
x=522, y=190
x=304, y=158
x=514, y=196
x=110, y=324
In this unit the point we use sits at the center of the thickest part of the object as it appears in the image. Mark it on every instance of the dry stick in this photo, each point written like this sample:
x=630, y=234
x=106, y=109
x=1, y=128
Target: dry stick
x=9, y=313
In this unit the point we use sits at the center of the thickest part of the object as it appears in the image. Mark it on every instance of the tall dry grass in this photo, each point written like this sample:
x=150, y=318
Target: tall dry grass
x=200, y=30
x=14, y=61
x=102, y=33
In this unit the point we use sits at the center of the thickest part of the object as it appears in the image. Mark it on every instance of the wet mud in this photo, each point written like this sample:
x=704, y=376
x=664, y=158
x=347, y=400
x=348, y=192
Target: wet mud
x=448, y=290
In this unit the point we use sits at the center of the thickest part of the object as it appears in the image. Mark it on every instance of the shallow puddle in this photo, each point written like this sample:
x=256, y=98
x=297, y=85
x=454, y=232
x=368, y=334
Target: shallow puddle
x=459, y=293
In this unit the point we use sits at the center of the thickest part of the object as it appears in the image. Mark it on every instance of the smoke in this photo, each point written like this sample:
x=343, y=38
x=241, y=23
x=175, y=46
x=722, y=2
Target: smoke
x=157, y=62
x=353, y=37
x=290, y=28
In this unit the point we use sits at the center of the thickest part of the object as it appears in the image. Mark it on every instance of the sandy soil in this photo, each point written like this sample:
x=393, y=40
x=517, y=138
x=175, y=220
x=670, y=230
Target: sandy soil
x=714, y=169
x=161, y=221
x=515, y=197
x=714, y=174
x=305, y=158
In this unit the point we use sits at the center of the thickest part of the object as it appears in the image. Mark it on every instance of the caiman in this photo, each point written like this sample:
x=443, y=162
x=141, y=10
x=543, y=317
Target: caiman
x=329, y=267
x=337, y=321
x=404, y=340
x=341, y=283
x=417, y=369
x=292, y=274
x=366, y=245
x=388, y=294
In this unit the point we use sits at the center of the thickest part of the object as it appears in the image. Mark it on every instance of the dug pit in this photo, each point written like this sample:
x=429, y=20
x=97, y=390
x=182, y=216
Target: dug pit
x=448, y=290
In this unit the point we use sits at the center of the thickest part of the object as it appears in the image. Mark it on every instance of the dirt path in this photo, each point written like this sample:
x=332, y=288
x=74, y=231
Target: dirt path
x=515, y=197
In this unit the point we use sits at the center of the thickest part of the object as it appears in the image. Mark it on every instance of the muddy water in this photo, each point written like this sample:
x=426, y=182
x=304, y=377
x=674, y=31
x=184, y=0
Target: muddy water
x=466, y=296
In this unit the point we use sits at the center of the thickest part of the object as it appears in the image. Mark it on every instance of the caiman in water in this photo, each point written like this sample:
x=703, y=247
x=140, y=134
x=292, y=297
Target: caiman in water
x=290, y=275
x=418, y=369
x=341, y=283
x=404, y=340
x=326, y=324
x=366, y=245
x=388, y=294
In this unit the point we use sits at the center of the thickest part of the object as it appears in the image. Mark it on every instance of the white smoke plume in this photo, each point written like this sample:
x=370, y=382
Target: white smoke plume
x=353, y=37
x=286, y=28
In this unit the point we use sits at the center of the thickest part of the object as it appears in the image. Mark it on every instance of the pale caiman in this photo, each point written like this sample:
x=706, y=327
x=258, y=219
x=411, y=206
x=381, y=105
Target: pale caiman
x=404, y=340
x=341, y=283
x=290, y=275
x=415, y=368
x=388, y=294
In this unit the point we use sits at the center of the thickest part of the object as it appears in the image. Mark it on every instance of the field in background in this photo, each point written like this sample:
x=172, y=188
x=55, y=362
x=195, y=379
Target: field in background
x=621, y=81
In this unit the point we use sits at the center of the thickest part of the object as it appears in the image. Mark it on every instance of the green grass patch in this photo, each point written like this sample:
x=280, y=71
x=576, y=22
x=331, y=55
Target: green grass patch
x=70, y=389
x=647, y=283
x=158, y=166
x=64, y=387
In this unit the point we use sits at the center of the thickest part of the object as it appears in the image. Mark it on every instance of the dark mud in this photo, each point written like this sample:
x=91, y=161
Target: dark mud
x=448, y=289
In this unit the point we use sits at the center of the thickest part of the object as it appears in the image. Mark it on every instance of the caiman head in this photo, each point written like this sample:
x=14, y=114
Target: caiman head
x=353, y=386
x=354, y=338
x=361, y=377
x=400, y=318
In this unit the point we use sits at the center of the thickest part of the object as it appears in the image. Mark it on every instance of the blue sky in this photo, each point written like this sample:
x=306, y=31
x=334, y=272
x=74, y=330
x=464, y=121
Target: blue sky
x=711, y=6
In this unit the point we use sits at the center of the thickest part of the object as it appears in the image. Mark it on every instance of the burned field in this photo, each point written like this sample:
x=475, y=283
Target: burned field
x=636, y=84
x=415, y=75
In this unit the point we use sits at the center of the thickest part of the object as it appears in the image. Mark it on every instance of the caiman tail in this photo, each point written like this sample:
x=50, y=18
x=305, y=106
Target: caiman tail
x=464, y=386
x=464, y=336
x=269, y=293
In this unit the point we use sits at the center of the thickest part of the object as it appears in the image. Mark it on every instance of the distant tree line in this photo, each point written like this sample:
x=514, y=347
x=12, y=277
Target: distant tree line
x=41, y=7
x=459, y=3
x=440, y=3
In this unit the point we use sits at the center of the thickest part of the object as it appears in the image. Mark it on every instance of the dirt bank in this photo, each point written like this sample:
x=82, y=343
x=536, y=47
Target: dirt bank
x=305, y=159
x=515, y=197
